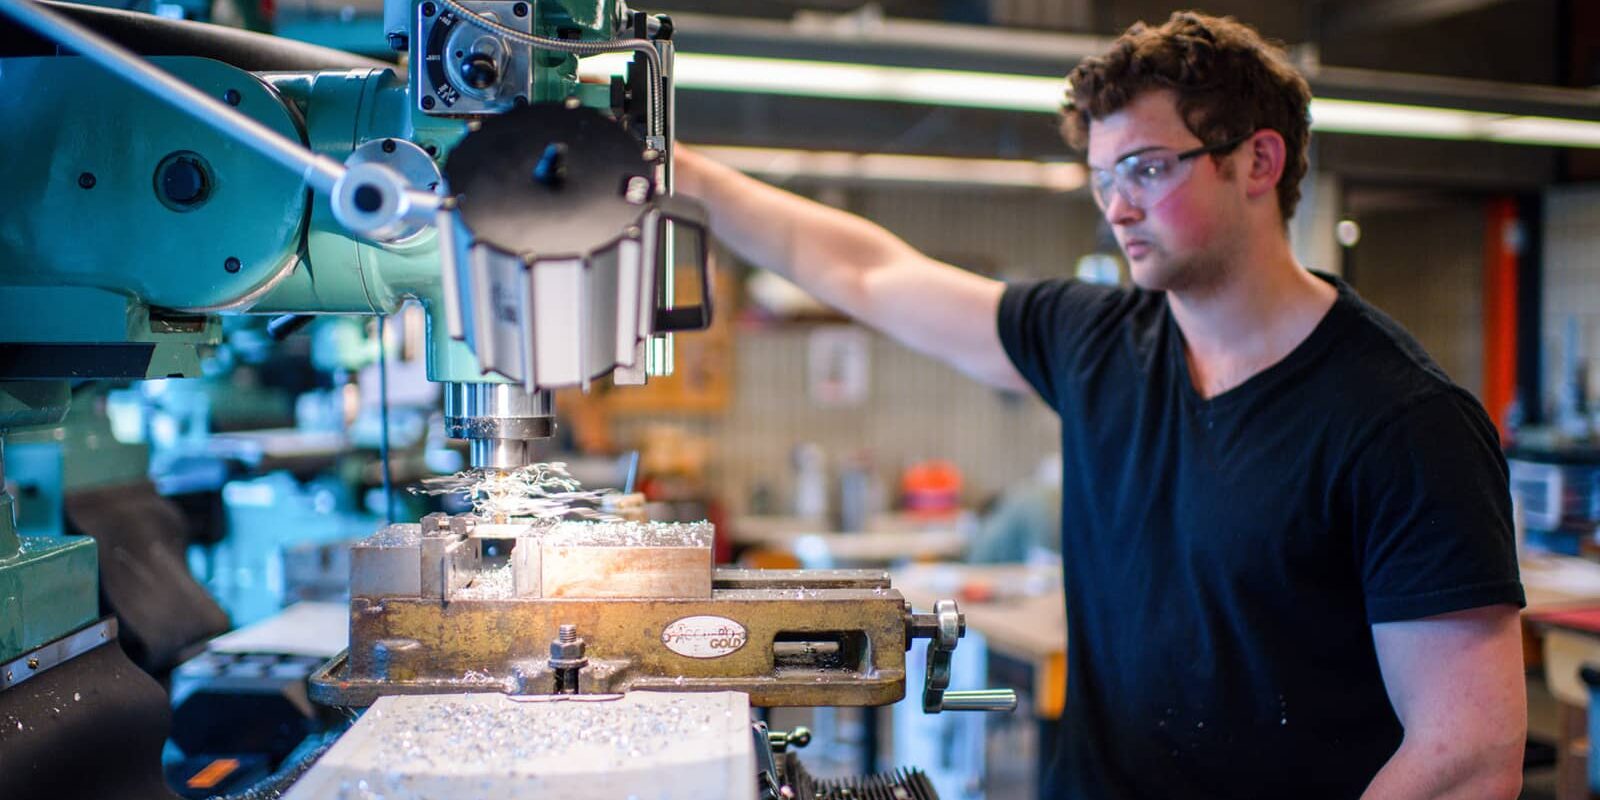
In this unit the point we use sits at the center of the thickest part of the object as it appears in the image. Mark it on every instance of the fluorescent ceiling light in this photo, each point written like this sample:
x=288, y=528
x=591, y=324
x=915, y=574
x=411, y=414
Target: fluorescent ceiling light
x=938, y=87
x=781, y=163
x=1348, y=116
x=1043, y=95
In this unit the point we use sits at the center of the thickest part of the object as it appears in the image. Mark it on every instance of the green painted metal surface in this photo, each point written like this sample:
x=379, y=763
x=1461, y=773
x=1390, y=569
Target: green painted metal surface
x=47, y=590
x=291, y=254
x=596, y=16
x=48, y=586
x=89, y=453
x=95, y=215
x=36, y=471
x=362, y=34
x=28, y=404
x=24, y=404
x=80, y=314
x=346, y=109
x=104, y=240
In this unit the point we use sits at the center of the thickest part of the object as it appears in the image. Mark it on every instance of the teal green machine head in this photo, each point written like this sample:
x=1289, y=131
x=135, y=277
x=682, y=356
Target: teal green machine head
x=529, y=211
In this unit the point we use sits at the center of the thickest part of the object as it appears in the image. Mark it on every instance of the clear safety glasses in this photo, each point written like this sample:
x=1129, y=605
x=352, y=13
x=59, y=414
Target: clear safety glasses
x=1146, y=178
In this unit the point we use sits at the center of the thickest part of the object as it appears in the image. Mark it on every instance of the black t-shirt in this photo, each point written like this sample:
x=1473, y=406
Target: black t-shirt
x=1225, y=558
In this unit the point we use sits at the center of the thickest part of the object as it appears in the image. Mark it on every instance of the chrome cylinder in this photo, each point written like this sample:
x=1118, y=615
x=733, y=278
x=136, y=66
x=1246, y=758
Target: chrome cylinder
x=500, y=453
x=500, y=420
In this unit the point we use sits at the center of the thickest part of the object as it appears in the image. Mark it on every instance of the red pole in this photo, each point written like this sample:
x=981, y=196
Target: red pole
x=1501, y=243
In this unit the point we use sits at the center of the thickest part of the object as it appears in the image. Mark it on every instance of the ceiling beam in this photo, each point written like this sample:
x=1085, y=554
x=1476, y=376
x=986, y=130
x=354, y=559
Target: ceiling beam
x=1355, y=16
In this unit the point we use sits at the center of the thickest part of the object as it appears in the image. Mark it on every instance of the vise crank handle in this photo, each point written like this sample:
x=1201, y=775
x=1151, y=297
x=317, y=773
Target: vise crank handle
x=944, y=629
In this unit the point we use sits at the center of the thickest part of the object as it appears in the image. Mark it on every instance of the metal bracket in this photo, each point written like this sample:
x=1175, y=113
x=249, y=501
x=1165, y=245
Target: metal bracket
x=57, y=652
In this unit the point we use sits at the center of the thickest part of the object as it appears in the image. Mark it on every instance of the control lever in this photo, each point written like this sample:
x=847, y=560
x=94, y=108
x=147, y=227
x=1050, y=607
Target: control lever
x=943, y=629
x=782, y=741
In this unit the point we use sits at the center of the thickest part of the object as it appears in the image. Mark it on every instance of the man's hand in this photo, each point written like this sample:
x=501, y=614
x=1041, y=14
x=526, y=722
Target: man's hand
x=857, y=267
x=1457, y=683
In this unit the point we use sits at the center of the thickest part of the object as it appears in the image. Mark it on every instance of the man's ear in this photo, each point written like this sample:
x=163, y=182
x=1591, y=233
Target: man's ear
x=1266, y=152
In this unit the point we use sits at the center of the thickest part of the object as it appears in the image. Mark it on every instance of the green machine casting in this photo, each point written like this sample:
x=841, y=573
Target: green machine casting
x=528, y=211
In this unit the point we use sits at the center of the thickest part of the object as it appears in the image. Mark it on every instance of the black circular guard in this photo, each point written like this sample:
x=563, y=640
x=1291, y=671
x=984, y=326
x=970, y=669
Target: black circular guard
x=508, y=202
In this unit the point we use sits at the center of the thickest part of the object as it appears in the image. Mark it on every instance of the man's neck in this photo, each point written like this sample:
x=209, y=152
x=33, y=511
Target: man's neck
x=1262, y=308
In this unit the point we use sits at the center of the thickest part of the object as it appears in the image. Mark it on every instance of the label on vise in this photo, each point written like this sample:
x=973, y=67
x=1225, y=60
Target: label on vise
x=703, y=636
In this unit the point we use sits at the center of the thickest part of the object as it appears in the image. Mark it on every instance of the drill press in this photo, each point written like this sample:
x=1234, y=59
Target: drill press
x=531, y=214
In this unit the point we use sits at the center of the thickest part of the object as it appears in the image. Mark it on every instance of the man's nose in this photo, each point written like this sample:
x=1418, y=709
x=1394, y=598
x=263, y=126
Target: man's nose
x=1122, y=212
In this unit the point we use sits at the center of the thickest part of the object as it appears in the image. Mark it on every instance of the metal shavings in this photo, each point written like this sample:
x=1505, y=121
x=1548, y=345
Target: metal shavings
x=464, y=735
x=536, y=491
x=394, y=536
x=629, y=534
x=489, y=584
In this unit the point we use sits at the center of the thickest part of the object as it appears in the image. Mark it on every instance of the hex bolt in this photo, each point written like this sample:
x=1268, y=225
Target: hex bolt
x=567, y=658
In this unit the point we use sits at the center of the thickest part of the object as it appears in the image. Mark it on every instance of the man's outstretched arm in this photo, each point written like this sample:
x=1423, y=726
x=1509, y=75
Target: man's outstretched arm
x=1457, y=683
x=857, y=267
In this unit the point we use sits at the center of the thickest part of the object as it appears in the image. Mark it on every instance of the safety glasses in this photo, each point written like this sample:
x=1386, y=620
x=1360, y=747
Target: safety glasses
x=1146, y=178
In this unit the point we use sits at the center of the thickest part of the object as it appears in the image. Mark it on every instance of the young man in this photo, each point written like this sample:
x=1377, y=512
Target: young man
x=1287, y=540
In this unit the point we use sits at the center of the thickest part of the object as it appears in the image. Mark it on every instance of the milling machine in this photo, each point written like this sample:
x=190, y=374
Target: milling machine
x=529, y=212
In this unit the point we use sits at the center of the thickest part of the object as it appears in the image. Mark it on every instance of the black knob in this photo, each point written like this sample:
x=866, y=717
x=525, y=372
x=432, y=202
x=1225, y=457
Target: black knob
x=182, y=181
x=479, y=71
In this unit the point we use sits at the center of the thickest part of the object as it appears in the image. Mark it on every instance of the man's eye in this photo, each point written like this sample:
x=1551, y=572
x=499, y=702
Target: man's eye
x=1150, y=170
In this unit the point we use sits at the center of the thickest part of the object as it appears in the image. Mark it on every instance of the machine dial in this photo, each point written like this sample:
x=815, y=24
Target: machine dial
x=480, y=71
x=465, y=69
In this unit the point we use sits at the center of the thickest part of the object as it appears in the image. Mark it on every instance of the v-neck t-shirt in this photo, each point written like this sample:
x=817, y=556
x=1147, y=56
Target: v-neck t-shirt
x=1225, y=558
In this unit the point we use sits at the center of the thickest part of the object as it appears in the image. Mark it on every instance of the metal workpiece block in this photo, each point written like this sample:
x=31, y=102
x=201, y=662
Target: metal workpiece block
x=645, y=744
x=388, y=563
x=627, y=559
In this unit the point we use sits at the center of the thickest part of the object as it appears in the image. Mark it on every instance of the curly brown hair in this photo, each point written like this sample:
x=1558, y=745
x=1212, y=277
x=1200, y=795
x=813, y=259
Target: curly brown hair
x=1230, y=83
